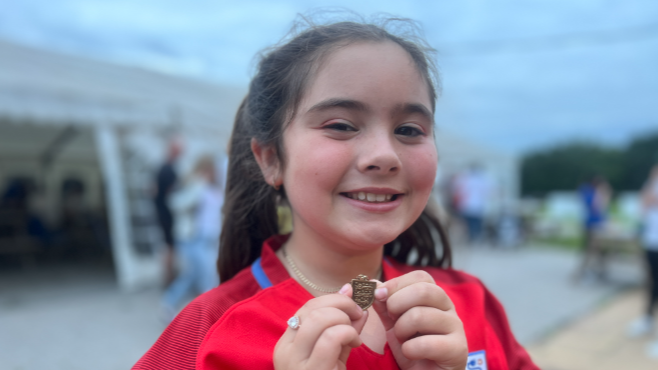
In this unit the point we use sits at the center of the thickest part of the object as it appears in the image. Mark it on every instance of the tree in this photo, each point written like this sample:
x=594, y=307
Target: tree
x=640, y=155
x=566, y=166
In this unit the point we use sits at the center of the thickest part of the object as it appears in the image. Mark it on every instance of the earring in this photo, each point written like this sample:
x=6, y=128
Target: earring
x=276, y=187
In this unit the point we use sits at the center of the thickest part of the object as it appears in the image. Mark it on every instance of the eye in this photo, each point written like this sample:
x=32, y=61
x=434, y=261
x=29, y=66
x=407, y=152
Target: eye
x=341, y=126
x=408, y=131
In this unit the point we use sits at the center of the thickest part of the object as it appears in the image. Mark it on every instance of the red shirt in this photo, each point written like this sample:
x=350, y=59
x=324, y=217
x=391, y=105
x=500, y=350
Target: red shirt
x=236, y=325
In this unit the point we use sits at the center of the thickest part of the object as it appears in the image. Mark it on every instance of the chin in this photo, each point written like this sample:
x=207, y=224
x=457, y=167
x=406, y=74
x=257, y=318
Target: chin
x=375, y=238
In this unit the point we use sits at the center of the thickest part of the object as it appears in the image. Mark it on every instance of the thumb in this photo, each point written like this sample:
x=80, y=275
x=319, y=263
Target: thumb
x=360, y=323
x=380, y=306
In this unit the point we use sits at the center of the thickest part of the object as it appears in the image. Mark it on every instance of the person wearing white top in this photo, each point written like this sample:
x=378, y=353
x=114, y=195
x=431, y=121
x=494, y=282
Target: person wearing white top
x=197, y=206
x=474, y=191
x=649, y=240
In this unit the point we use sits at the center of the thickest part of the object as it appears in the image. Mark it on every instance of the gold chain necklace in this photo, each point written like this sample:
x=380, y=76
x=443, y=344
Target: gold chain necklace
x=306, y=281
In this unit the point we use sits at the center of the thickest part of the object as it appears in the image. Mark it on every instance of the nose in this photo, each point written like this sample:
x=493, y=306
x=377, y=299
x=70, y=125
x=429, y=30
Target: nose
x=379, y=156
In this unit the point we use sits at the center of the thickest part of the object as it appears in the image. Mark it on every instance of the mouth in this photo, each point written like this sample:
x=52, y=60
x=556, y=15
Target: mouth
x=371, y=197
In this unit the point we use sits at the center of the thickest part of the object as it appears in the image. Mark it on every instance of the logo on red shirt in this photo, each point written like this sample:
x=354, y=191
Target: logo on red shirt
x=477, y=361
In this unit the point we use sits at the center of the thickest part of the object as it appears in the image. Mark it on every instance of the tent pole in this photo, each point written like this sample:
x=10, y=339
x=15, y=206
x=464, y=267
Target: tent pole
x=109, y=156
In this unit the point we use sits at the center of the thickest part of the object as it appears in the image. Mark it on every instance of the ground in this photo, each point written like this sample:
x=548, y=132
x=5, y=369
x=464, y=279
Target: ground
x=597, y=341
x=73, y=317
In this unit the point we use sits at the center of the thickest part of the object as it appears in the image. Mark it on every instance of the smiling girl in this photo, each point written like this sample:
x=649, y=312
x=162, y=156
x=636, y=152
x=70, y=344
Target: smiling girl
x=339, y=121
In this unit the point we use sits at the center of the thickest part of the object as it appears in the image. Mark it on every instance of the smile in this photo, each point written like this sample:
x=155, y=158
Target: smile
x=371, y=197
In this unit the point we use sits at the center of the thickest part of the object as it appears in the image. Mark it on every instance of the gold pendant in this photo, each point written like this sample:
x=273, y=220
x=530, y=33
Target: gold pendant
x=363, y=291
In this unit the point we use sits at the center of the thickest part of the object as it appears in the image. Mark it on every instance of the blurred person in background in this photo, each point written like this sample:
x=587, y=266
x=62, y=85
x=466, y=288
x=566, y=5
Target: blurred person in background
x=197, y=209
x=19, y=217
x=449, y=194
x=14, y=210
x=165, y=181
x=595, y=196
x=14, y=207
x=649, y=240
x=473, y=191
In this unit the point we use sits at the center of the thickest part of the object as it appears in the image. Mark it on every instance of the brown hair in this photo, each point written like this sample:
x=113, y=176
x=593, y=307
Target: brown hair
x=274, y=93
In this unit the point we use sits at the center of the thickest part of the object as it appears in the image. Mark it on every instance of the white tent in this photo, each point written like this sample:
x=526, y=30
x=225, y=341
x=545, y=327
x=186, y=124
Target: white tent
x=107, y=122
x=89, y=115
x=457, y=153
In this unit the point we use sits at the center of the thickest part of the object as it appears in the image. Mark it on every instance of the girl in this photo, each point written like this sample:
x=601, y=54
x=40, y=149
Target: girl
x=339, y=122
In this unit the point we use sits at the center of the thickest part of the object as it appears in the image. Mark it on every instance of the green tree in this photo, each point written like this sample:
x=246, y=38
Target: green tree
x=638, y=158
x=566, y=166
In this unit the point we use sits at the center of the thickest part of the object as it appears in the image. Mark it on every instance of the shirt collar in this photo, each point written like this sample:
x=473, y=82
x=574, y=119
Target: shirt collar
x=271, y=264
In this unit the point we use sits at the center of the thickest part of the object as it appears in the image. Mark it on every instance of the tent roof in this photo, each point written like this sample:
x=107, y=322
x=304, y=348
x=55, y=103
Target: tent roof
x=46, y=143
x=42, y=86
x=458, y=151
x=45, y=87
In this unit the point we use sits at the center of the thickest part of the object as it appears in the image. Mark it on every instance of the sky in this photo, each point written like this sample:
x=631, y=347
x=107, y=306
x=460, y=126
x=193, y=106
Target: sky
x=516, y=75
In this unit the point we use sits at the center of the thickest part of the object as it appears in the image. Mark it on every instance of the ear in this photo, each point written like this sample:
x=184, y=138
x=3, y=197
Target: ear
x=268, y=162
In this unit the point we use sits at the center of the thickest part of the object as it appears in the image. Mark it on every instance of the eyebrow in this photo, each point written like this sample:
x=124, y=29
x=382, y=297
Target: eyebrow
x=413, y=108
x=355, y=105
x=339, y=103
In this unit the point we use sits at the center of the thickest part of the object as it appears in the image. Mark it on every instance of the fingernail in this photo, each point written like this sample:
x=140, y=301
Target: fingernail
x=381, y=294
x=344, y=289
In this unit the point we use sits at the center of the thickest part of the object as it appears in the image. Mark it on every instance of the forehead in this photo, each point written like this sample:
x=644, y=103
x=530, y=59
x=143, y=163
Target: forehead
x=371, y=72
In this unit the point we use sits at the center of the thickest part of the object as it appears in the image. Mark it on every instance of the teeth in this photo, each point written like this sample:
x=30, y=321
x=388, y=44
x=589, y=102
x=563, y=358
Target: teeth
x=370, y=197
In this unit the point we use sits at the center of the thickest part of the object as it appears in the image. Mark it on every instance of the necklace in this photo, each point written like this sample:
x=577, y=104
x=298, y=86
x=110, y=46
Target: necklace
x=309, y=283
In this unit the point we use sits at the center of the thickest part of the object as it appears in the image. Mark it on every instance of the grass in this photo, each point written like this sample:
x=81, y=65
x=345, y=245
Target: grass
x=572, y=243
x=575, y=243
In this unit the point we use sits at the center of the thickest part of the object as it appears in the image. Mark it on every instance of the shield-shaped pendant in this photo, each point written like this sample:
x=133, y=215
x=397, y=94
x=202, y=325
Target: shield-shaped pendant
x=363, y=291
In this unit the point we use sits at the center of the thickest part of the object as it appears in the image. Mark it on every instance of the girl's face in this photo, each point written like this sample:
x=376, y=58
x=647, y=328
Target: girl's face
x=360, y=154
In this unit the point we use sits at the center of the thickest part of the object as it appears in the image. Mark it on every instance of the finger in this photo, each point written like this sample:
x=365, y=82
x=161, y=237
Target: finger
x=360, y=323
x=451, y=351
x=346, y=290
x=344, y=354
x=396, y=348
x=339, y=301
x=329, y=347
x=426, y=321
x=418, y=294
x=314, y=324
x=394, y=285
x=380, y=306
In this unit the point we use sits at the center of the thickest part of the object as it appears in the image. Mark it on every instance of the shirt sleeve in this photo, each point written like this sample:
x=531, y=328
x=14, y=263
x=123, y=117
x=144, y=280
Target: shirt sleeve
x=177, y=347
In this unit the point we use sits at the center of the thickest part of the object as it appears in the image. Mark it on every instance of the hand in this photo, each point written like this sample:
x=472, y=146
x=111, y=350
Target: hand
x=329, y=328
x=422, y=327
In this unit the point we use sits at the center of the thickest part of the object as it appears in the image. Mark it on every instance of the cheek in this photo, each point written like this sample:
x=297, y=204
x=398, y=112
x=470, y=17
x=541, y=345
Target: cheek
x=422, y=169
x=316, y=166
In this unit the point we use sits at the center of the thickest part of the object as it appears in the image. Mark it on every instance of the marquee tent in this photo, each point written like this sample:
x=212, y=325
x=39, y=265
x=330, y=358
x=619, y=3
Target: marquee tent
x=63, y=114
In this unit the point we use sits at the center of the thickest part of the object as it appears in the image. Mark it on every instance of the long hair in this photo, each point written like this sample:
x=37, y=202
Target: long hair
x=275, y=92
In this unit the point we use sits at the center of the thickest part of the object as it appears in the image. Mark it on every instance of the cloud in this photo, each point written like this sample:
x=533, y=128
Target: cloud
x=516, y=95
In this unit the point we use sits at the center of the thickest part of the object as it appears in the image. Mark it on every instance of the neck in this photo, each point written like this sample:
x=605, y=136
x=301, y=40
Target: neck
x=326, y=264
